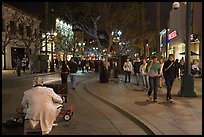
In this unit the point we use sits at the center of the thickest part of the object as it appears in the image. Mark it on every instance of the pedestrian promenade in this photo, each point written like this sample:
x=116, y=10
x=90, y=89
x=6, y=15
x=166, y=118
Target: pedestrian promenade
x=182, y=117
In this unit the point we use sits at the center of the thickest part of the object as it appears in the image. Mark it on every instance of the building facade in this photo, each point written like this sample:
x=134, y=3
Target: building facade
x=19, y=30
x=177, y=34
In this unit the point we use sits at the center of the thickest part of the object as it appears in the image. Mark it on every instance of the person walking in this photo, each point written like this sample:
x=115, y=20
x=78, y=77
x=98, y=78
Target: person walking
x=24, y=60
x=177, y=68
x=73, y=67
x=144, y=74
x=64, y=73
x=18, y=67
x=154, y=73
x=181, y=66
x=161, y=76
x=83, y=64
x=14, y=64
x=128, y=68
x=136, y=67
x=169, y=72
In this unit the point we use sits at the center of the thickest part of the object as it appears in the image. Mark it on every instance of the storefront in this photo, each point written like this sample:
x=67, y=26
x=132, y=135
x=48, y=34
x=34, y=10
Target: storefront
x=177, y=35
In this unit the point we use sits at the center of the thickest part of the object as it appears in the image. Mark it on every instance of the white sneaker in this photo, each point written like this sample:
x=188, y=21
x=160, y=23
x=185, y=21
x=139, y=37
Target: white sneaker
x=54, y=124
x=171, y=100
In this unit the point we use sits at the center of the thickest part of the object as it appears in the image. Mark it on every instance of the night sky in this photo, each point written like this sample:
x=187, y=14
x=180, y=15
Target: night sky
x=38, y=8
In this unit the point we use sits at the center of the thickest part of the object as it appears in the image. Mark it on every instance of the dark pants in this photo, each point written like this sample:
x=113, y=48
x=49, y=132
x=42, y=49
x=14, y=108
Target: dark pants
x=64, y=78
x=169, y=84
x=18, y=71
x=154, y=84
x=127, y=74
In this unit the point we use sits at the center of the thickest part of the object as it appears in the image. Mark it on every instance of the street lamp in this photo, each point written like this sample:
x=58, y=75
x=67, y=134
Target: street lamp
x=187, y=80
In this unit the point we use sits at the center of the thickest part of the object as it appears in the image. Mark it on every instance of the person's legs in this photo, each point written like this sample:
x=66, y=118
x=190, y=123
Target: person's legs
x=171, y=84
x=137, y=78
x=151, y=86
x=129, y=73
x=74, y=81
x=160, y=82
x=156, y=85
x=125, y=76
x=147, y=81
x=71, y=79
x=144, y=82
x=168, y=87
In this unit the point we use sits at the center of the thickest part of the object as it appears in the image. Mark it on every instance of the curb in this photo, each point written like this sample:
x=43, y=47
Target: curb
x=150, y=130
x=32, y=75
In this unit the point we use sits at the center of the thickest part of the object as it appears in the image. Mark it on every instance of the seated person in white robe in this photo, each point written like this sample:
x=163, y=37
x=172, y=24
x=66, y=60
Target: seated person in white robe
x=41, y=105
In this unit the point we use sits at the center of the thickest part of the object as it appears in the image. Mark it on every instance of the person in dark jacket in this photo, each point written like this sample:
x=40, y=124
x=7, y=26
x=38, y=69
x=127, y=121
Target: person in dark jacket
x=73, y=67
x=83, y=64
x=177, y=68
x=169, y=72
x=136, y=67
x=64, y=73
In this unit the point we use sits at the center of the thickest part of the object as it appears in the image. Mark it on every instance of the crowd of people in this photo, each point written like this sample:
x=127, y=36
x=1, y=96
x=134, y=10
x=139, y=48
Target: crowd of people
x=154, y=73
x=151, y=72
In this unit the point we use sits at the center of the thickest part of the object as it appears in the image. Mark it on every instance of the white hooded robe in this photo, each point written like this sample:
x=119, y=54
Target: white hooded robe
x=41, y=104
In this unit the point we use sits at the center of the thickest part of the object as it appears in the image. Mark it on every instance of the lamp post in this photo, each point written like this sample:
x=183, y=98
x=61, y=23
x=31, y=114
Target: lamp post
x=167, y=41
x=52, y=60
x=187, y=80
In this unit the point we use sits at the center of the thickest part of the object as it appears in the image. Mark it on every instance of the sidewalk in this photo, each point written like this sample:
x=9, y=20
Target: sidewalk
x=8, y=74
x=182, y=117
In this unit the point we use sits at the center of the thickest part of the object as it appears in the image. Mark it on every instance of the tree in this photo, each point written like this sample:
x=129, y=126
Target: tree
x=33, y=35
x=64, y=43
x=106, y=16
x=8, y=32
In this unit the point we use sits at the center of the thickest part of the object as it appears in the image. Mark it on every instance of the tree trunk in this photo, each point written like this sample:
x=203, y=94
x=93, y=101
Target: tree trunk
x=4, y=58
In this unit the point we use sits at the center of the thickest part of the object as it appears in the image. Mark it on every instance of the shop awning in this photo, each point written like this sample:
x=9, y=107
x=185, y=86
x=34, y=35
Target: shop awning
x=192, y=53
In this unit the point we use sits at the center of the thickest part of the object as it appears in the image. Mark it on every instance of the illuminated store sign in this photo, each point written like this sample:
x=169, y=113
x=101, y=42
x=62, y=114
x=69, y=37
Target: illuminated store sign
x=172, y=35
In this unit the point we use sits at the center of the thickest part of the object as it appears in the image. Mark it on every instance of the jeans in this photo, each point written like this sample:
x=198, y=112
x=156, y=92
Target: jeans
x=154, y=84
x=145, y=80
x=137, y=75
x=169, y=84
x=73, y=80
x=127, y=74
